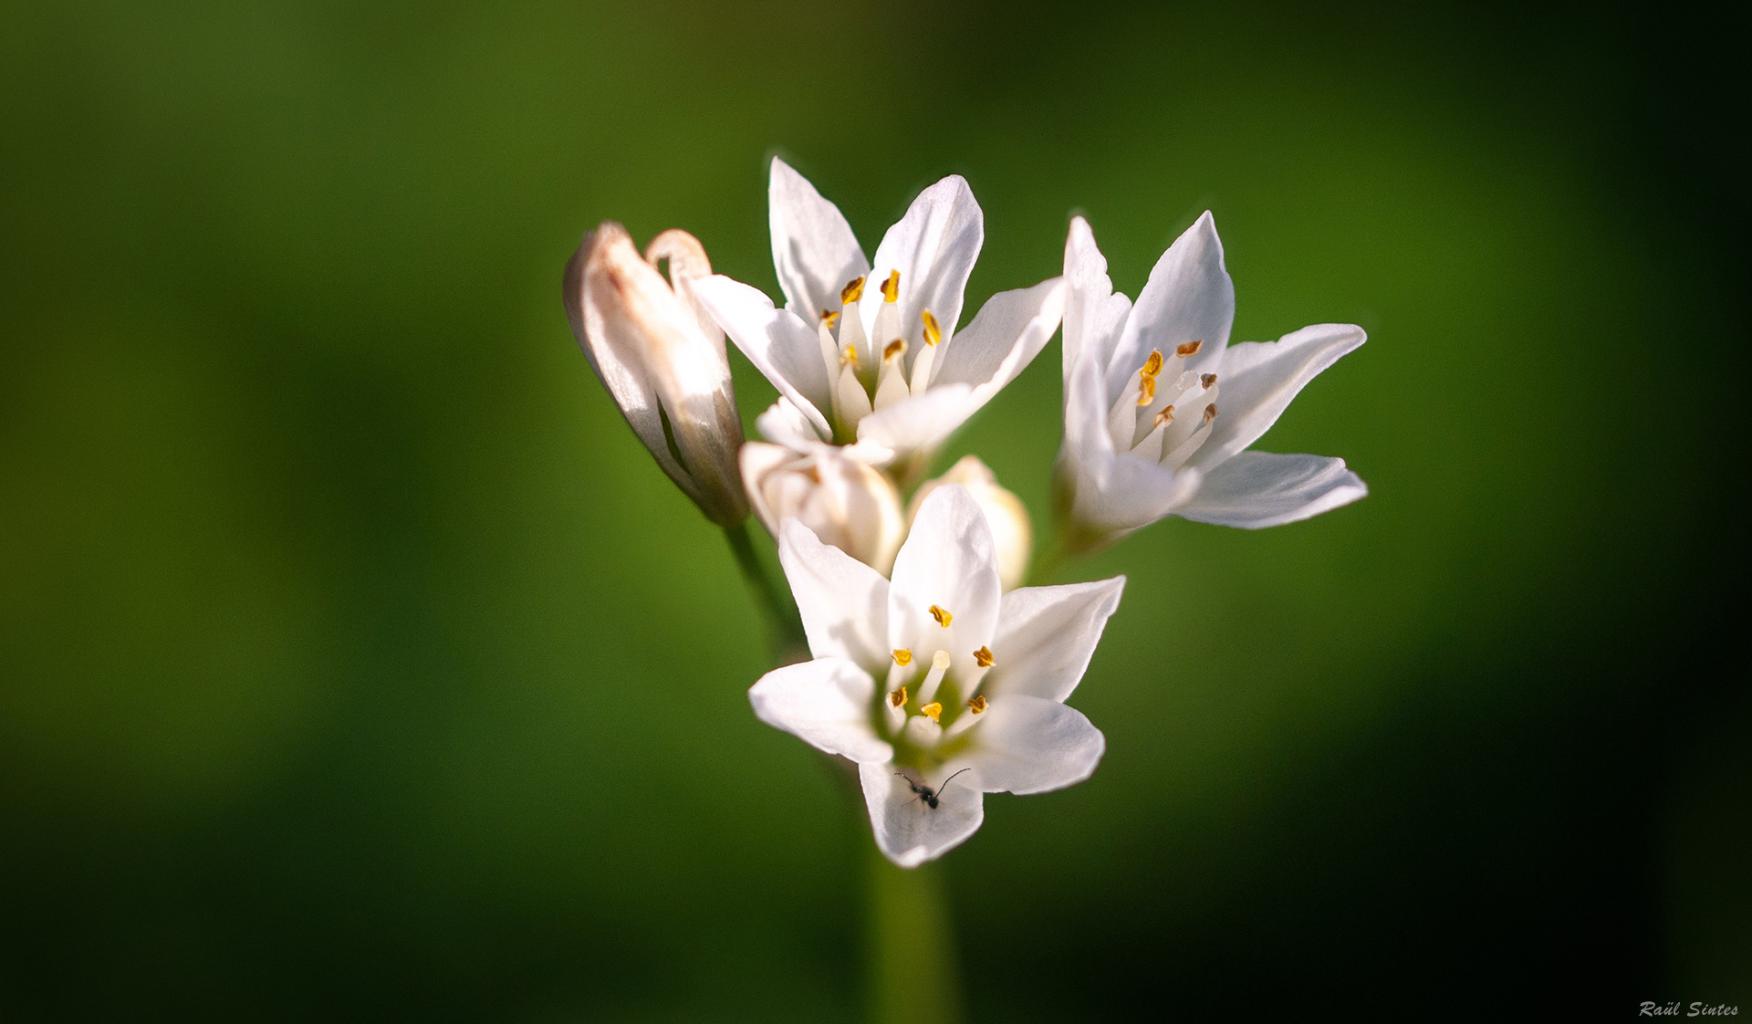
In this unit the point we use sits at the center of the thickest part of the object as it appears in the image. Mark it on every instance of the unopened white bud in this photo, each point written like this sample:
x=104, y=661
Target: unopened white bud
x=845, y=502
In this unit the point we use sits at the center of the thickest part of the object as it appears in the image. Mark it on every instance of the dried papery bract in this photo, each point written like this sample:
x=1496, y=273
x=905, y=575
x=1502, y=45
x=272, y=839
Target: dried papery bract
x=843, y=501
x=661, y=359
x=1012, y=533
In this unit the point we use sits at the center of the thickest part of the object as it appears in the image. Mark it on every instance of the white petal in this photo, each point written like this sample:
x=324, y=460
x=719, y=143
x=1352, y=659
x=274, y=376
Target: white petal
x=1094, y=313
x=1189, y=297
x=783, y=348
x=814, y=251
x=1046, y=636
x=948, y=561
x=934, y=247
x=843, y=602
x=910, y=831
x=1256, y=489
x=826, y=703
x=1004, y=337
x=1031, y=745
x=919, y=423
x=784, y=424
x=1259, y=379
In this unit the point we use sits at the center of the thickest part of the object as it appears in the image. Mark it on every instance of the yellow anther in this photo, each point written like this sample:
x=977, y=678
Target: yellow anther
x=933, y=710
x=1189, y=349
x=850, y=355
x=983, y=657
x=1146, y=390
x=830, y=317
x=1209, y=381
x=898, y=698
x=1210, y=412
x=894, y=348
x=891, y=287
x=977, y=704
x=1153, y=364
x=902, y=656
x=942, y=616
x=933, y=333
x=1165, y=417
x=853, y=291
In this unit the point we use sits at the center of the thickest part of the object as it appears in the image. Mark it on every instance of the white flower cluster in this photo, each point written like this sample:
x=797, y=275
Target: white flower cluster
x=934, y=669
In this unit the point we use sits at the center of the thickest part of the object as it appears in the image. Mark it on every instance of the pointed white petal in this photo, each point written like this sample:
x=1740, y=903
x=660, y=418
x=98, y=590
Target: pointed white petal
x=947, y=560
x=1257, y=489
x=843, y=602
x=1094, y=313
x=1046, y=636
x=919, y=423
x=814, y=251
x=783, y=348
x=826, y=703
x=1259, y=379
x=1189, y=297
x=910, y=831
x=934, y=247
x=1004, y=337
x=784, y=424
x=1031, y=745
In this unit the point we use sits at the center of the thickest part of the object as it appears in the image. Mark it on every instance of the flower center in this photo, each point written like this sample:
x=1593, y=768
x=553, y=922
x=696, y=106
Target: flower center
x=1165, y=418
x=870, y=373
x=928, y=708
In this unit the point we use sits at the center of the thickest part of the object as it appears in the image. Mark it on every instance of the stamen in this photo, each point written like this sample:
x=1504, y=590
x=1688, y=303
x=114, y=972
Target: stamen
x=894, y=348
x=1210, y=412
x=902, y=656
x=977, y=704
x=830, y=317
x=1147, y=377
x=853, y=291
x=1189, y=349
x=934, y=678
x=891, y=287
x=1165, y=417
x=897, y=698
x=850, y=356
x=933, y=711
x=1209, y=381
x=983, y=657
x=933, y=332
x=942, y=615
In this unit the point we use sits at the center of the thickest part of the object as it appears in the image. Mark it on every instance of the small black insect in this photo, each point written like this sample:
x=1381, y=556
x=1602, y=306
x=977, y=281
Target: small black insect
x=931, y=797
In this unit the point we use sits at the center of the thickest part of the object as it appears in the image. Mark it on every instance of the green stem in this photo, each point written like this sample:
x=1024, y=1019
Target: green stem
x=913, y=976
x=783, y=625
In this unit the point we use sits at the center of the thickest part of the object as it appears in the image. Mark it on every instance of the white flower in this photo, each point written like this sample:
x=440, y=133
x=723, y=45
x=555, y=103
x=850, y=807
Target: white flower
x=1012, y=534
x=865, y=351
x=845, y=502
x=661, y=358
x=1159, y=408
x=941, y=687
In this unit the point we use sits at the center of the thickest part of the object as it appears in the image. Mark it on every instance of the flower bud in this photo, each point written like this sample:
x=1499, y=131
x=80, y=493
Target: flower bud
x=661, y=358
x=845, y=502
x=1012, y=536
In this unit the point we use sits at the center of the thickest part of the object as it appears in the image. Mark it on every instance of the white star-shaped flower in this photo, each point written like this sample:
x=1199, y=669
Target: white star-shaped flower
x=1160, y=408
x=866, y=352
x=939, y=685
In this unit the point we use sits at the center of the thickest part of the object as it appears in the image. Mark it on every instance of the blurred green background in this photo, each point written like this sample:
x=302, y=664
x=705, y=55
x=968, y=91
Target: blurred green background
x=355, y=659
